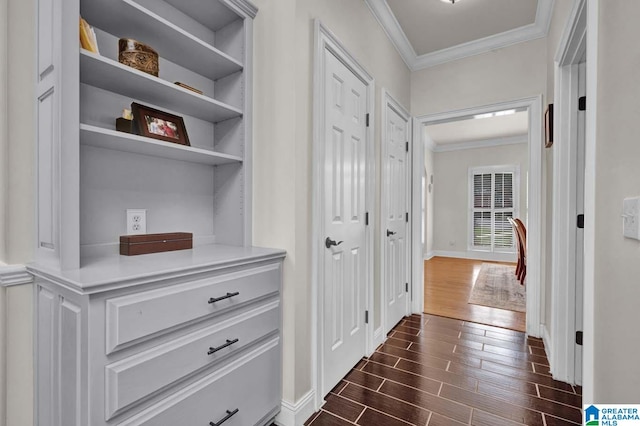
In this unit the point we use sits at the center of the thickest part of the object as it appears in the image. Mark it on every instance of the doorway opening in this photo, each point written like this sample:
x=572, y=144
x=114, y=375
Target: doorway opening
x=481, y=165
x=491, y=243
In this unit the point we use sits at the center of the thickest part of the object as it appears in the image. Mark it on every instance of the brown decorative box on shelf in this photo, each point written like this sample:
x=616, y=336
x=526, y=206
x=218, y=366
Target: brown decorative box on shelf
x=131, y=245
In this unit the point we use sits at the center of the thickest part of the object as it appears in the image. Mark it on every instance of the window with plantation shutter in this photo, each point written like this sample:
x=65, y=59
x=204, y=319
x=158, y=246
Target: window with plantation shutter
x=493, y=200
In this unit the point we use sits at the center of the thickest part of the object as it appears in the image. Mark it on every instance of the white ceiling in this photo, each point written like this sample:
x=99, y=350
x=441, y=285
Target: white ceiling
x=432, y=25
x=469, y=133
x=431, y=32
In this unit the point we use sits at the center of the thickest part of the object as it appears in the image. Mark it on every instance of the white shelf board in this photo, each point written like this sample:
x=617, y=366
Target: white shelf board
x=126, y=18
x=121, y=141
x=110, y=75
x=212, y=14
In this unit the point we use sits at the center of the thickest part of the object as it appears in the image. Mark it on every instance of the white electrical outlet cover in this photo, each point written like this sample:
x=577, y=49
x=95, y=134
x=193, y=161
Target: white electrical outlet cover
x=631, y=218
x=136, y=221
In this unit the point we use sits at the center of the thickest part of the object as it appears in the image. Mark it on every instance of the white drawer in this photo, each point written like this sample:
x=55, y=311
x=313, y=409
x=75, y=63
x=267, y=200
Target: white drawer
x=138, y=376
x=134, y=317
x=248, y=386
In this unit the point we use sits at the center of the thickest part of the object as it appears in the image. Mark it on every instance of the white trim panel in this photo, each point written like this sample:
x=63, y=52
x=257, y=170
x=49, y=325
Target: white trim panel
x=14, y=275
x=561, y=352
x=483, y=143
x=477, y=255
x=293, y=414
x=391, y=26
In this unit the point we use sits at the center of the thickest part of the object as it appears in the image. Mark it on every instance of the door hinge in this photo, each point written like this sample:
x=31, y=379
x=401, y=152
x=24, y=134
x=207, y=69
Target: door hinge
x=366, y=317
x=581, y=221
x=406, y=287
x=366, y=218
x=406, y=147
x=582, y=103
x=579, y=338
x=406, y=217
x=367, y=119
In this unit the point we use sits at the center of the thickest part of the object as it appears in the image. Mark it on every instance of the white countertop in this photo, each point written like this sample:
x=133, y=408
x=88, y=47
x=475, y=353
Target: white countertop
x=115, y=271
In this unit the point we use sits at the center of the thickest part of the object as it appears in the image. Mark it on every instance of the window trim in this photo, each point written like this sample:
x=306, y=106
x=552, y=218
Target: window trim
x=509, y=168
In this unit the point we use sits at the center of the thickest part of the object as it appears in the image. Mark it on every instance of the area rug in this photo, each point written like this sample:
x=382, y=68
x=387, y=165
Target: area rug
x=498, y=287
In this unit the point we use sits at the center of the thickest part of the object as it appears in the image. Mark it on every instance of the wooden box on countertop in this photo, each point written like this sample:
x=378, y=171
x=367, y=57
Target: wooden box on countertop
x=131, y=245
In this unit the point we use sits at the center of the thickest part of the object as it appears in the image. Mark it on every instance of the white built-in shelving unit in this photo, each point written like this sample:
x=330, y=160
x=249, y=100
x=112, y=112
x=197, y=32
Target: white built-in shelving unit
x=129, y=340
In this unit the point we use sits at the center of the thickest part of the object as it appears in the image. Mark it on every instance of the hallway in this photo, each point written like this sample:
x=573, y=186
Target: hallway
x=447, y=286
x=439, y=371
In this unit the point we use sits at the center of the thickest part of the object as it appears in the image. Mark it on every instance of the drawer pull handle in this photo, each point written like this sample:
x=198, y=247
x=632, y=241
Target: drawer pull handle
x=229, y=343
x=227, y=417
x=227, y=296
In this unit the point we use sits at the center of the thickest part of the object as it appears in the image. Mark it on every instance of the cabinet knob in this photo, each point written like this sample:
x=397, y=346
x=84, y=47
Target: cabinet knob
x=227, y=296
x=227, y=417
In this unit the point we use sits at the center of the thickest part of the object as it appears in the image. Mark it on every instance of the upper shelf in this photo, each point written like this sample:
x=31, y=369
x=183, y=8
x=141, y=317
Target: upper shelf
x=126, y=18
x=120, y=141
x=212, y=14
x=110, y=75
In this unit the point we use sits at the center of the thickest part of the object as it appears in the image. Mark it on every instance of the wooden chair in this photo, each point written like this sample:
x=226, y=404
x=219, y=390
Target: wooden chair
x=521, y=241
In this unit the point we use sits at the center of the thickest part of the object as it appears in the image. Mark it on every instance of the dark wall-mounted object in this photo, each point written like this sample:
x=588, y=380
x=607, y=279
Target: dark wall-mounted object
x=548, y=127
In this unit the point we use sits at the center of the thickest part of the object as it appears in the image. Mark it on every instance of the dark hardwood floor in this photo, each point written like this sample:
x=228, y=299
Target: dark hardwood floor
x=439, y=371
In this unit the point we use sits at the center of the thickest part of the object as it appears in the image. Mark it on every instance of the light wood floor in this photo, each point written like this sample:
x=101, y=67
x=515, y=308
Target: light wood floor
x=447, y=286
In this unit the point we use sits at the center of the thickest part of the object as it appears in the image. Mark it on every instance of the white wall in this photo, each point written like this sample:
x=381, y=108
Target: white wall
x=282, y=144
x=506, y=74
x=4, y=38
x=21, y=136
x=451, y=190
x=16, y=202
x=617, y=175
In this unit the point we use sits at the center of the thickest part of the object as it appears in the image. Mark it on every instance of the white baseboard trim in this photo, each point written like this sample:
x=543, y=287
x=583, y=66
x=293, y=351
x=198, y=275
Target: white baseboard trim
x=546, y=339
x=478, y=255
x=297, y=413
x=379, y=337
x=12, y=275
x=429, y=255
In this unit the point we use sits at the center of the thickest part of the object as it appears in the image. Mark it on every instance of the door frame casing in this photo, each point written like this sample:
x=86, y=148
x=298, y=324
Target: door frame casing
x=389, y=101
x=536, y=197
x=325, y=40
x=572, y=47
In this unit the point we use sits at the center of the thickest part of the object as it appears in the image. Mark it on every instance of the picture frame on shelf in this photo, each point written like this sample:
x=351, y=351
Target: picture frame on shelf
x=156, y=124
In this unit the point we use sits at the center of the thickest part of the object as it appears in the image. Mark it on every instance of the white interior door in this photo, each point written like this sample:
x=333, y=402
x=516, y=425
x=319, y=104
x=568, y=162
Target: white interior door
x=343, y=289
x=395, y=216
x=580, y=166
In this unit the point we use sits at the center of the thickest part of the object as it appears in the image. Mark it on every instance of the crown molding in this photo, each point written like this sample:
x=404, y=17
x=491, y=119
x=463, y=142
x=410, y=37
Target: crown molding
x=391, y=26
x=484, y=143
x=248, y=8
